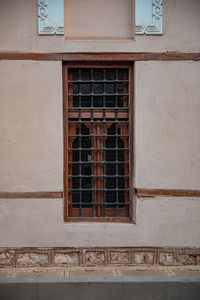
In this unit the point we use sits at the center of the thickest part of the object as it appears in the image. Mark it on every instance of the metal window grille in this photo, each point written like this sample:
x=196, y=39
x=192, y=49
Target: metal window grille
x=97, y=142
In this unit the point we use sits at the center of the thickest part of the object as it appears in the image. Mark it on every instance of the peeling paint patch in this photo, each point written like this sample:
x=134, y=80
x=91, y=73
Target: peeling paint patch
x=95, y=257
x=186, y=259
x=6, y=258
x=119, y=257
x=31, y=259
x=66, y=258
x=166, y=258
x=142, y=257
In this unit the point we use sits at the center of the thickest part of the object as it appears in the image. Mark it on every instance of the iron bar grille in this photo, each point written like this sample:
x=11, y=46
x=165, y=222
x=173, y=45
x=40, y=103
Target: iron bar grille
x=98, y=142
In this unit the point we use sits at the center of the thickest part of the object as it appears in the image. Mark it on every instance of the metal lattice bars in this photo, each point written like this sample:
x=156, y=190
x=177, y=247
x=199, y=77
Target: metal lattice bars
x=98, y=142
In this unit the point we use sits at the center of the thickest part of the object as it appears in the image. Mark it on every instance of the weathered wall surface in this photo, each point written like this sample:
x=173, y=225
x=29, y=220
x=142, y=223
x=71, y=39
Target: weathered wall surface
x=167, y=125
x=167, y=139
x=92, y=19
x=167, y=156
x=31, y=126
x=160, y=222
x=18, y=31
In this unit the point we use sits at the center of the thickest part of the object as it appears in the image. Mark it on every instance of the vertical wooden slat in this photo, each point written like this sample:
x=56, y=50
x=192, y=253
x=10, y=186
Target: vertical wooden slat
x=65, y=134
x=131, y=130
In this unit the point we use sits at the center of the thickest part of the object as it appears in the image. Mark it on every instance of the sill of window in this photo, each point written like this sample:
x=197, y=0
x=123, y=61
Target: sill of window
x=100, y=39
x=99, y=219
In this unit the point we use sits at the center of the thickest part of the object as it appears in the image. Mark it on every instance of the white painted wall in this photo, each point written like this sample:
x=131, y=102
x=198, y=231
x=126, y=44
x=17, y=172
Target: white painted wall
x=31, y=125
x=167, y=139
x=160, y=222
x=167, y=156
x=167, y=125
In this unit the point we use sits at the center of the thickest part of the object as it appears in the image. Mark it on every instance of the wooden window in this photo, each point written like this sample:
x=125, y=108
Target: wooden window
x=98, y=142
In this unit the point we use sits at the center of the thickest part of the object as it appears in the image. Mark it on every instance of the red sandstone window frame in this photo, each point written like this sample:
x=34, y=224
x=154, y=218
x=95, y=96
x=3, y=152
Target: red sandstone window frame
x=101, y=64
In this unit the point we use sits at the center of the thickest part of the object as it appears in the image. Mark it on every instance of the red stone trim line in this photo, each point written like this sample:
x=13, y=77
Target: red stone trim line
x=138, y=192
x=14, y=195
x=103, y=56
x=167, y=193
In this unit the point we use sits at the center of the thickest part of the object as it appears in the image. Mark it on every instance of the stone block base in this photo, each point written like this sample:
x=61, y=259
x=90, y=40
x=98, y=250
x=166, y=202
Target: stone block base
x=55, y=257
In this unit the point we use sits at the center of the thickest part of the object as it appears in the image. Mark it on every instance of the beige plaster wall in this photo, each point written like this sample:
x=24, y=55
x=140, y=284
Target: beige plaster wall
x=167, y=125
x=160, y=222
x=99, y=19
x=18, y=31
x=167, y=142
x=31, y=126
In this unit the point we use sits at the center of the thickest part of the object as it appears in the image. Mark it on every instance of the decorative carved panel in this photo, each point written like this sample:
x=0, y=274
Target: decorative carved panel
x=148, y=16
x=51, y=17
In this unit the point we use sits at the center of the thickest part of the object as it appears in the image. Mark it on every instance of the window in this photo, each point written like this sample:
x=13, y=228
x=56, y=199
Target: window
x=98, y=142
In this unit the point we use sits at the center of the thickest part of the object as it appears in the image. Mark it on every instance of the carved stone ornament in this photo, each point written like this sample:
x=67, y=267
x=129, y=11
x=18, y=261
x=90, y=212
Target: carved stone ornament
x=148, y=16
x=51, y=17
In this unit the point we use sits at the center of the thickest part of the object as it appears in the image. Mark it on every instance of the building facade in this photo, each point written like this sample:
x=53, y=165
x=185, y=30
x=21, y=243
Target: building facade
x=161, y=225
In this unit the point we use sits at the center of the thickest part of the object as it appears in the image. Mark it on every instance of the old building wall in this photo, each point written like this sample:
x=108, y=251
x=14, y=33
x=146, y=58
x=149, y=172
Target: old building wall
x=167, y=125
x=18, y=31
x=160, y=222
x=166, y=135
x=166, y=156
x=92, y=19
x=31, y=126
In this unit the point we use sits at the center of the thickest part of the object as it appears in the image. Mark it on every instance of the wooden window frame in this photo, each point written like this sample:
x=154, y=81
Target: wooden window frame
x=97, y=64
